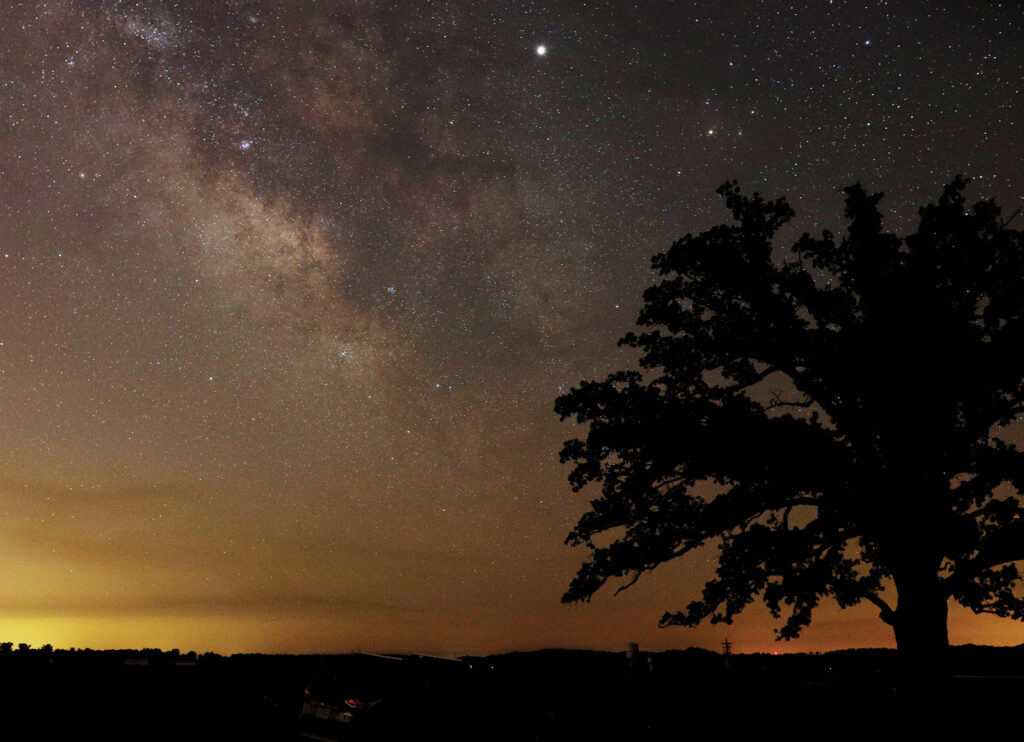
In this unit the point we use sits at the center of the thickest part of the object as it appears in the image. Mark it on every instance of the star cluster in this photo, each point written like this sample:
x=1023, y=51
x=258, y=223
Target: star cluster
x=287, y=289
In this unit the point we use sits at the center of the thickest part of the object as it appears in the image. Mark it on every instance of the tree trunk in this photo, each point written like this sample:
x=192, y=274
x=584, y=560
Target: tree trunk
x=922, y=637
x=922, y=643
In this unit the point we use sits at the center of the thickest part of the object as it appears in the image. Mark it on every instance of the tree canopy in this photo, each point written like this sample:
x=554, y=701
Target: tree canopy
x=832, y=416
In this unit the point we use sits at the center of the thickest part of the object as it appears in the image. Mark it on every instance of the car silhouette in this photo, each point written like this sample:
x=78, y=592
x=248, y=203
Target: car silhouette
x=376, y=696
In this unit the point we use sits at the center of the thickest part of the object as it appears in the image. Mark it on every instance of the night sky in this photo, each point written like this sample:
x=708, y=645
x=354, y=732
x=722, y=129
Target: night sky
x=288, y=289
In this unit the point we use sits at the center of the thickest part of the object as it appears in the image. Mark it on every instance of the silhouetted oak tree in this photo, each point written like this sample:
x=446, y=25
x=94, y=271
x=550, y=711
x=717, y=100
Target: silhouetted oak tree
x=831, y=418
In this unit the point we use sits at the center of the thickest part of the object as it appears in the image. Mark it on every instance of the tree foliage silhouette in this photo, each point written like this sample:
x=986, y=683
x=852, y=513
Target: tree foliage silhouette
x=834, y=418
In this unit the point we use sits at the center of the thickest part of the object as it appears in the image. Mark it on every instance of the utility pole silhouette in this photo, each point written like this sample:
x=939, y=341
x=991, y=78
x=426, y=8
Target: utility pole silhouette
x=726, y=652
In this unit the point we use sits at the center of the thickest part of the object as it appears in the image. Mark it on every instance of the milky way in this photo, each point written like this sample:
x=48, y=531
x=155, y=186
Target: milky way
x=287, y=290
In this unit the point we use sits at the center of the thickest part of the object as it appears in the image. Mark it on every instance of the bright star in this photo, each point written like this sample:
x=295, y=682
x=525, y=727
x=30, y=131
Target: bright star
x=541, y=50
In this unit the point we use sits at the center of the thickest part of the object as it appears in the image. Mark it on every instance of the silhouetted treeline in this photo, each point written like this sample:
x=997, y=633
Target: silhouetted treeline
x=553, y=664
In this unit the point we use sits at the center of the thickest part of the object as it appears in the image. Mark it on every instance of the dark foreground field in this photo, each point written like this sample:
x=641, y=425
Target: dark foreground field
x=528, y=696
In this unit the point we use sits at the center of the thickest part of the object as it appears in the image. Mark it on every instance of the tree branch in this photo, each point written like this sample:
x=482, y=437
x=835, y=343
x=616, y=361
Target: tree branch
x=885, y=611
x=1002, y=547
x=757, y=380
x=777, y=401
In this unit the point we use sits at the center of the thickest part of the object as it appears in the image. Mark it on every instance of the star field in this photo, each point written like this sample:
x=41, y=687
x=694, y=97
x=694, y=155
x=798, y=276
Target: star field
x=287, y=289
